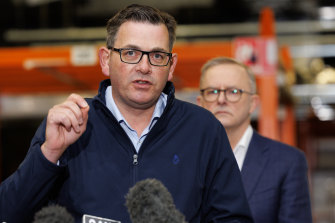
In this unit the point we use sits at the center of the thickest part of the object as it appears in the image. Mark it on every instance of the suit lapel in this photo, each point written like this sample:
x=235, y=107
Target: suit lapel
x=254, y=163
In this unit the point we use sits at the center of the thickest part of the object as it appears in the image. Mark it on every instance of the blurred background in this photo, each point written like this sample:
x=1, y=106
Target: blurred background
x=48, y=49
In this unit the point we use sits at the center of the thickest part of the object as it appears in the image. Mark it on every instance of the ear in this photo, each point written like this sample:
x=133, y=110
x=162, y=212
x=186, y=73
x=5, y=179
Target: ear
x=104, y=56
x=173, y=64
x=255, y=100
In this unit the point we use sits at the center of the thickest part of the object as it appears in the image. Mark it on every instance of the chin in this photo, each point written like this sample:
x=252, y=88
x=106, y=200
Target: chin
x=221, y=117
x=143, y=101
x=224, y=121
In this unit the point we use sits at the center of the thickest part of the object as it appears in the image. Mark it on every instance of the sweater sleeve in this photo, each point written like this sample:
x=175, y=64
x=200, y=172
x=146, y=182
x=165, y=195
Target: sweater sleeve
x=28, y=188
x=226, y=200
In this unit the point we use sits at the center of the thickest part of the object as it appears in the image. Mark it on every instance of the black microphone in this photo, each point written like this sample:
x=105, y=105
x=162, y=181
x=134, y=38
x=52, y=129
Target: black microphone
x=53, y=214
x=149, y=201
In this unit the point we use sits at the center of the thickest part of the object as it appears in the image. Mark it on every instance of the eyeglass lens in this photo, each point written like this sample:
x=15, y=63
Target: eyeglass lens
x=231, y=95
x=134, y=56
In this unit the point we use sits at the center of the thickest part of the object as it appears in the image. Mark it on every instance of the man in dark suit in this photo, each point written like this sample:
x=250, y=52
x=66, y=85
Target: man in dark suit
x=274, y=174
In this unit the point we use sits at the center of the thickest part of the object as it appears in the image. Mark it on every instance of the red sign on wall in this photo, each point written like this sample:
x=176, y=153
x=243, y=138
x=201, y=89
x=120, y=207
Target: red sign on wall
x=259, y=53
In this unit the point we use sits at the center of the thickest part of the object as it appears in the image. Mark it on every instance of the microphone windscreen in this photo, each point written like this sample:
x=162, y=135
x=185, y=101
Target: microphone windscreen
x=53, y=214
x=149, y=201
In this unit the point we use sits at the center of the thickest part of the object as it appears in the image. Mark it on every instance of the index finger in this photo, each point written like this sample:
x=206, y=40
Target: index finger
x=76, y=98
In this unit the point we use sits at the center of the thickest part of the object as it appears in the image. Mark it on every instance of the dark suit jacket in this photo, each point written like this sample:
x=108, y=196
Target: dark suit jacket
x=276, y=182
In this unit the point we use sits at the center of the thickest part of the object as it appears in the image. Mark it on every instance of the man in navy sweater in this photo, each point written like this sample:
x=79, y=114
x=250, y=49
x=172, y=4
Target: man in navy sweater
x=88, y=153
x=274, y=174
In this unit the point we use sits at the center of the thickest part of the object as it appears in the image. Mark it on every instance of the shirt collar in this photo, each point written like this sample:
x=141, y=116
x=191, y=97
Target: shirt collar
x=241, y=148
x=245, y=139
x=110, y=103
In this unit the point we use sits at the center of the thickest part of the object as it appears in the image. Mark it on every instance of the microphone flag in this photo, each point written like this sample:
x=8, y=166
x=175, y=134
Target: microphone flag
x=94, y=219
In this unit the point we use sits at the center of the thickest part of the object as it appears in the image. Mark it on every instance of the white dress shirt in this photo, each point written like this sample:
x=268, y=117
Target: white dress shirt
x=241, y=148
x=132, y=134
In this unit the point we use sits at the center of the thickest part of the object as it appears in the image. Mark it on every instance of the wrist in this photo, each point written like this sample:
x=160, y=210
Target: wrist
x=51, y=155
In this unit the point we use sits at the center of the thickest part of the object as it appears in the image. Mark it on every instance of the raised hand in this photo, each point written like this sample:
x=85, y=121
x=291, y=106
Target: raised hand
x=66, y=122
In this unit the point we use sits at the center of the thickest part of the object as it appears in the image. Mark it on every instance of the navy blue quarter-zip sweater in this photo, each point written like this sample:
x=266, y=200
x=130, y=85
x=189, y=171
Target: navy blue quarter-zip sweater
x=187, y=150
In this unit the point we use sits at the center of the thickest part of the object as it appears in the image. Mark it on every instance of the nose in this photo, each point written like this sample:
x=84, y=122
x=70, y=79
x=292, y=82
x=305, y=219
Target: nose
x=144, y=65
x=221, y=97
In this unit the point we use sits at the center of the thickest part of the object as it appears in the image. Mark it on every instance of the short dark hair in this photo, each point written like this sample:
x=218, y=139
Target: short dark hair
x=140, y=13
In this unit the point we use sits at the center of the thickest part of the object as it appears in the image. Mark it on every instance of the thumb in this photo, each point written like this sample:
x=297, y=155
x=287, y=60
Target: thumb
x=84, y=111
x=82, y=103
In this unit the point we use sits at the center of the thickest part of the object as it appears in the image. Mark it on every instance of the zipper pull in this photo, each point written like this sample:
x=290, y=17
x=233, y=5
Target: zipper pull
x=135, y=162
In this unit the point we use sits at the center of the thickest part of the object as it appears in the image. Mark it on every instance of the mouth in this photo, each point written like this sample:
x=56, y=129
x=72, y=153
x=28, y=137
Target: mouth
x=142, y=82
x=221, y=112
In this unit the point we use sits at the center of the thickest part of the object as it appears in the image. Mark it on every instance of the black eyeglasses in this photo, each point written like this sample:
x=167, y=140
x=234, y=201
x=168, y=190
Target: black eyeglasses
x=134, y=56
x=230, y=94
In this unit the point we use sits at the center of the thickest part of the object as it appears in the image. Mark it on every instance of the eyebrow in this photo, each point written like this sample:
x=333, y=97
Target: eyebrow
x=229, y=87
x=131, y=47
x=138, y=48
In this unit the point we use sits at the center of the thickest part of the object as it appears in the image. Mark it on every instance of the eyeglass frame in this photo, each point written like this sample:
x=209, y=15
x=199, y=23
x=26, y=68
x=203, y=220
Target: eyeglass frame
x=119, y=50
x=241, y=91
